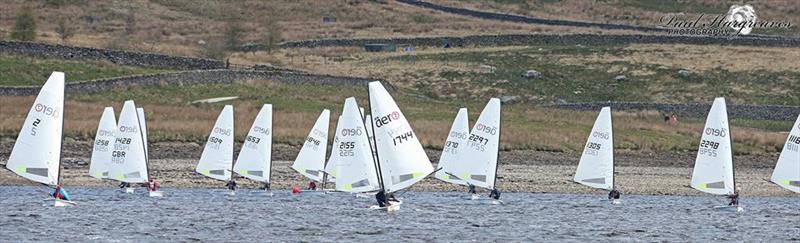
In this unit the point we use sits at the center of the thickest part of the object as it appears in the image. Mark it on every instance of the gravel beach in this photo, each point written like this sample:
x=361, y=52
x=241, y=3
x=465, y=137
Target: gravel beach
x=520, y=171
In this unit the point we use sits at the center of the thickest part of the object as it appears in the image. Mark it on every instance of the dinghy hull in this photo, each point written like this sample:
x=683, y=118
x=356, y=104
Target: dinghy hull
x=735, y=209
x=63, y=203
x=130, y=190
x=156, y=193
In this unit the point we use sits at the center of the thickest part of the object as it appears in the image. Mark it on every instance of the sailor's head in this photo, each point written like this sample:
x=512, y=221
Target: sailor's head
x=738, y=189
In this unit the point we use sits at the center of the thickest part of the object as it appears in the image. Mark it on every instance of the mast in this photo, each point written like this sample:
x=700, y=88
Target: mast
x=63, y=117
x=233, y=130
x=144, y=144
x=613, y=163
x=499, y=136
x=325, y=155
x=271, y=132
x=375, y=159
x=730, y=135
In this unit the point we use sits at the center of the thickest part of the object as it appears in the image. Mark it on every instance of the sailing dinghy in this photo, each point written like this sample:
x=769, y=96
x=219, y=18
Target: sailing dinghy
x=310, y=161
x=216, y=162
x=456, y=140
x=713, y=168
x=103, y=145
x=129, y=158
x=596, y=167
x=787, y=170
x=400, y=160
x=354, y=167
x=478, y=158
x=255, y=157
x=36, y=155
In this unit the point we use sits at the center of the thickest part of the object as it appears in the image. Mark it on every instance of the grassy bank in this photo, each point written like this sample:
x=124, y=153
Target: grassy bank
x=296, y=107
x=17, y=70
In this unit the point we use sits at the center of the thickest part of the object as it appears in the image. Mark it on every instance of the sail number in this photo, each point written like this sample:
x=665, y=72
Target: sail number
x=794, y=139
x=593, y=148
x=214, y=142
x=709, y=144
x=35, y=126
x=118, y=157
x=346, y=149
x=251, y=139
x=708, y=148
x=450, y=147
x=478, y=139
x=403, y=137
x=794, y=143
x=102, y=145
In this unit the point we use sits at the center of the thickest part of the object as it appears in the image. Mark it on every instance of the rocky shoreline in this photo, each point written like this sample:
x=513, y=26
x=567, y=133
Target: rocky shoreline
x=520, y=171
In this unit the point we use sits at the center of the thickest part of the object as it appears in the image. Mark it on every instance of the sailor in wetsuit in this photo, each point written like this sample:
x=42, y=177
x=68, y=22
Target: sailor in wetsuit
x=152, y=185
x=613, y=194
x=231, y=185
x=472, y=189
x=381, y=198
x=495, y=194
x=734, y=198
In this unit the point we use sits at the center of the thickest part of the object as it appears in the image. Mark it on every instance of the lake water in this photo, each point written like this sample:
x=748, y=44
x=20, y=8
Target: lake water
x=210, y=215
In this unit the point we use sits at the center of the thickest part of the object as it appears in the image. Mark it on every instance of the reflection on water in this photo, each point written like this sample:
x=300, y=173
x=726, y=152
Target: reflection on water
x=210, y=214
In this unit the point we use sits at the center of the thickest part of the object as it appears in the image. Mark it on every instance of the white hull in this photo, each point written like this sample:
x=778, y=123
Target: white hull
x=616, y=201
x=390, y=208
x=365, y=195
x=231, y=193
x=63, y=203
x=727, y=208
x=474, y=197
x=156, y=194
x=129, y=190
x=263, y=193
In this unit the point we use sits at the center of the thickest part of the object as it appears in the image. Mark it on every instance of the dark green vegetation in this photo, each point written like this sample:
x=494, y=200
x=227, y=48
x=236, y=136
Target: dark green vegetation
x=24, y=70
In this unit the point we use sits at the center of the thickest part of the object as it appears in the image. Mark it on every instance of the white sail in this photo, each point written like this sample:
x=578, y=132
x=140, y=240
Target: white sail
x=402, y=160
x=367, y=124
x=355, y=169
x=787, y=170
x=330, y=167
x=310, y=162
x=456, y=141
x=713, y=168
x=128, y=160
x=596, y=167
x=143, y=125
x=478, y=159
x=255, y=158
x=217, y=158
x=104, y=141
x=37, y=151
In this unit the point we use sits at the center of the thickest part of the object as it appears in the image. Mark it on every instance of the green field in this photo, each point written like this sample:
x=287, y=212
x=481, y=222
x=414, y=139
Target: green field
x=18, y=70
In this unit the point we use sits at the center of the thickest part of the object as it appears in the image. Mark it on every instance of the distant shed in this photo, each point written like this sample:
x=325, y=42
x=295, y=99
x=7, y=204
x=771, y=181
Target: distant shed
x=380, y=47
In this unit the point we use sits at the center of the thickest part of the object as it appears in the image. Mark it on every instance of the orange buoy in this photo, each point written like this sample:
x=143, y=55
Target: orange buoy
x=295, y=189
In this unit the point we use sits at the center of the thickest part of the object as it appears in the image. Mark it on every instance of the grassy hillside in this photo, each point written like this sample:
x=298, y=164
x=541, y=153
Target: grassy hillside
x=18, y=70
x=179, y=26
x=745, y=75
x=635, y=12
x=296, y=107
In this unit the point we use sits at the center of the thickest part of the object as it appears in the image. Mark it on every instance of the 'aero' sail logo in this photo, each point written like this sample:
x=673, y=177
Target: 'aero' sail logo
x=383, y=120
x=126, y=129
x=221, y=131
x=486, y=129
x=47, y=110
x=261, y=130
x=717, y=132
